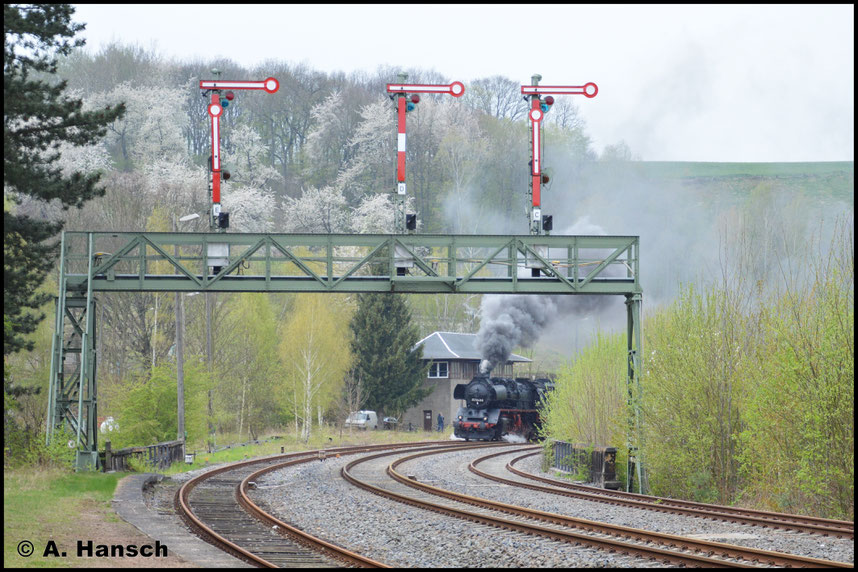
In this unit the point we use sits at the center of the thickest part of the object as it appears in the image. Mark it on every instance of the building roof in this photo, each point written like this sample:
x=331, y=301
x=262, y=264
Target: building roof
x=449, y=345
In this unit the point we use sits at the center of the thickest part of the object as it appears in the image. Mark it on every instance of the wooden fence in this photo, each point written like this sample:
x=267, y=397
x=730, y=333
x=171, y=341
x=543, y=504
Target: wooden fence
x=159, y=455
x=599, y=463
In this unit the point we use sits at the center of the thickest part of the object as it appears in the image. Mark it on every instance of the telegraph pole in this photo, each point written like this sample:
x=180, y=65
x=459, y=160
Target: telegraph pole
x=218, y=253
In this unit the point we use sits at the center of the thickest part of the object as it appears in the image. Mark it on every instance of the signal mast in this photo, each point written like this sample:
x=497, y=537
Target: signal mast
x=218, y=219
x=538, y=108
x=404, y=104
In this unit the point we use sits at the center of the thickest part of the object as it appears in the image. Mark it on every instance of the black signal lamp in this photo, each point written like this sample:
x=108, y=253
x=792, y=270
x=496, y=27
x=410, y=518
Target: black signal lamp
x=223, y=220
x=545, y=178
x=225, y=175
x=411, y=221
x=547, y=222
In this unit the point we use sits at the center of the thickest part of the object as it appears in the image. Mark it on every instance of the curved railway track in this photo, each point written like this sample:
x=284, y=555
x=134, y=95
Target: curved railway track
x=216, y=506
x=367, y=473
x=823, y=526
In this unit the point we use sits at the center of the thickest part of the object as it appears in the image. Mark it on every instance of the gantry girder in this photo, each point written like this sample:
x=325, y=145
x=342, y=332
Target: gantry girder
x=92, y=262
x=351, y=263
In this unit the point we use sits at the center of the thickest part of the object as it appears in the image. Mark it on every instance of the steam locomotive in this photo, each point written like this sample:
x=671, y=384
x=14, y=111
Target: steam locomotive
x=497, y=406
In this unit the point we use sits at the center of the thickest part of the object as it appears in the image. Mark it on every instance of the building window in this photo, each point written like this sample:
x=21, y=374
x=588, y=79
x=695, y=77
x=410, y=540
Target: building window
x=438, y=369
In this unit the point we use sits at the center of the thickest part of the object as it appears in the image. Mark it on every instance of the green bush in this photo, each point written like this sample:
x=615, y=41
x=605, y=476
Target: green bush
x=148, y=412
x=589, y=402
x=798, y=441
x=747, y=395
x=694, y=375
x=57, y=453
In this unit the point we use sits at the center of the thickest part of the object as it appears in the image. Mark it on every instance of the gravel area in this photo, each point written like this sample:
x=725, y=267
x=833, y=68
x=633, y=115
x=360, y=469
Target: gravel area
x=456, y=476
x=315, y=498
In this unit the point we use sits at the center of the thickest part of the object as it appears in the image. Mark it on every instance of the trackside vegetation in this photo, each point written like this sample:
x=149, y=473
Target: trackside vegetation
x=747, y=397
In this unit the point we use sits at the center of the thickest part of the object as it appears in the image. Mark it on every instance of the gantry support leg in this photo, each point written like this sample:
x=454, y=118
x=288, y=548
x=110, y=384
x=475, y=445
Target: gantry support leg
x=635, y=463
x=72, y=396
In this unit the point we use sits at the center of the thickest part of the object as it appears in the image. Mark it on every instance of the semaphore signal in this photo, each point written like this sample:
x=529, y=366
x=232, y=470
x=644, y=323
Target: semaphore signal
x=220, y=219
x=404, y=104
x=538, y=108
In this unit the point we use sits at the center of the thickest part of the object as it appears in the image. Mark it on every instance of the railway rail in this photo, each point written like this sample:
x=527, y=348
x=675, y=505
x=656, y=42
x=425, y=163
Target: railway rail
x=217, y=507
x=823, y=526
x=671, y=549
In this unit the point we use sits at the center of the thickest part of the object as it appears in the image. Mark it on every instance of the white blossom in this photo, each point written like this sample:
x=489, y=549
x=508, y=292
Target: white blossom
x=250, y=209
x=317, y=211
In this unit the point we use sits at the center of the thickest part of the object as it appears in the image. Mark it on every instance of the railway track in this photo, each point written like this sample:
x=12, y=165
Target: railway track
x=217, y=507
x=775, y=520
x=377, y=474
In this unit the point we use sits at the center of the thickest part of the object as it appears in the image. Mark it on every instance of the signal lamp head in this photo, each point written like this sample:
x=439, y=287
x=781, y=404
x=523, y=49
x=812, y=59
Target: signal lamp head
x=409, y=106
x=230, y=95
x=544, y=107
x=415, y=98
x=549, y=100
x=225, y=175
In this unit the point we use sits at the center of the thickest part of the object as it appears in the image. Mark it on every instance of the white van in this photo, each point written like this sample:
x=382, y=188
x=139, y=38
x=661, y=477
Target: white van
x=362, y=420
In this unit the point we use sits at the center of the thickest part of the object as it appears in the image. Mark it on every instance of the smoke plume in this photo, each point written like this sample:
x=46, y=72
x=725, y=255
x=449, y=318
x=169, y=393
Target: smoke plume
x=508, y=321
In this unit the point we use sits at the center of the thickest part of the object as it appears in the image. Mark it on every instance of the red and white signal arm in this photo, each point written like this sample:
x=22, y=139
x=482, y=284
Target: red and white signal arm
x=215, y=110
x=456, y=89
x=270, y=85
x=589, y=89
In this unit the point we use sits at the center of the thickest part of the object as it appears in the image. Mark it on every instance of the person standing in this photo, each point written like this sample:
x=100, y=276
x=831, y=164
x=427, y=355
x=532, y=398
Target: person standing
x=440, y=422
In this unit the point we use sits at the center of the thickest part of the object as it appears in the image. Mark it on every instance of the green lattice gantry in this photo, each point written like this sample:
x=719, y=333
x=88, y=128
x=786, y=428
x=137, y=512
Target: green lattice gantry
x=93, y=262
x=349, y=263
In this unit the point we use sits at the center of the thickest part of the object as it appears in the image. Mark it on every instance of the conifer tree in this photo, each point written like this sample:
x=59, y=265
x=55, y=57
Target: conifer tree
x=383, y=338
x=37, y=117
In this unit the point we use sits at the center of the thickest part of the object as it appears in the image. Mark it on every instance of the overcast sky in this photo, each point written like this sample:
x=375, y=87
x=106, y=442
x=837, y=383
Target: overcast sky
x=677, y=83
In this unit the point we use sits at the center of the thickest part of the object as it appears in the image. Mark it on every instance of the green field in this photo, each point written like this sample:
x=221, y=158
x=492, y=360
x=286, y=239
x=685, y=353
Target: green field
x=683, y=169
x=731, y=183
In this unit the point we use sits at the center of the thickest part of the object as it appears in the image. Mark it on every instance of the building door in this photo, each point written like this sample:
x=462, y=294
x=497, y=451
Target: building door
x=427, y=420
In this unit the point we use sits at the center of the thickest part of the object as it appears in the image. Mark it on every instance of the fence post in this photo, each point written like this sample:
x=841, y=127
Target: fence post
x=108, y=457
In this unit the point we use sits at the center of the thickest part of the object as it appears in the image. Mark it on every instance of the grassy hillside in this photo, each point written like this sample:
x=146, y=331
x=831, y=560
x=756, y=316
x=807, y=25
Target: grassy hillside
x=685, y=169
x=682, y=210
x=729, y=182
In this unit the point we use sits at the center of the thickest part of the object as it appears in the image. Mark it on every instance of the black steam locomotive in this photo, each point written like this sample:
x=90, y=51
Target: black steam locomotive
x=497, y=406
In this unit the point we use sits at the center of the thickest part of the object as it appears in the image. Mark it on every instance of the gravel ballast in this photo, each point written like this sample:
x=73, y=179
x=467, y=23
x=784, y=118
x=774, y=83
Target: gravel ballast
x=315, y=498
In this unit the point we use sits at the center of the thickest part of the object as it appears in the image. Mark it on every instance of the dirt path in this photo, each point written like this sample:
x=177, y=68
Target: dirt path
x=103, y=526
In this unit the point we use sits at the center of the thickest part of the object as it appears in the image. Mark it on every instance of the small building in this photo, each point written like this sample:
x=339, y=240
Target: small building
x=454, y=359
